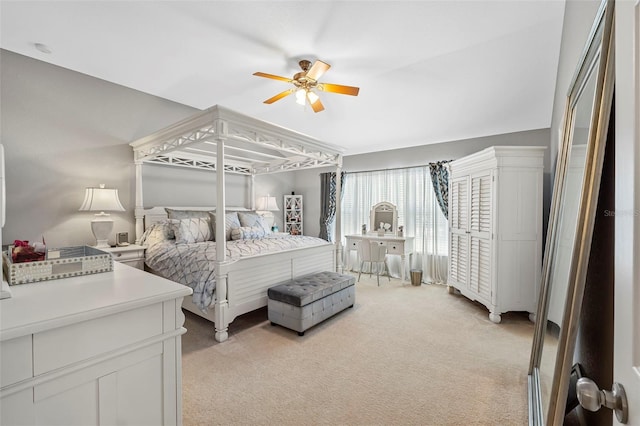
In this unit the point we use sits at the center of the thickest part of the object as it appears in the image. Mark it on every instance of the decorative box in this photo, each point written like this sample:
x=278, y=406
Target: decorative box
x=64, y=262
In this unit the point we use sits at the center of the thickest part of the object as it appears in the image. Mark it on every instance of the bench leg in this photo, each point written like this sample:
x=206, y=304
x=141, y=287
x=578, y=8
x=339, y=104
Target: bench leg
x=300, y=333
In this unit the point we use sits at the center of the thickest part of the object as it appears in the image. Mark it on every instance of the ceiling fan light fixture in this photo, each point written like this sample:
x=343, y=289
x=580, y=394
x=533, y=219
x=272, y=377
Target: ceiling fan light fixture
x=305, y=81
x=301, y=95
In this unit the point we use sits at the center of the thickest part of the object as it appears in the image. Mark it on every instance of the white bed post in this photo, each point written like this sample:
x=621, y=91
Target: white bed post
x=221, y=303
x=338, y=227
x=138, y=212
x=252, y=192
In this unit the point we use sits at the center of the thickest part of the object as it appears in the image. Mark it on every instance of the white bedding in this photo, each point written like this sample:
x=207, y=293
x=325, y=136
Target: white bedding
x=194, y=264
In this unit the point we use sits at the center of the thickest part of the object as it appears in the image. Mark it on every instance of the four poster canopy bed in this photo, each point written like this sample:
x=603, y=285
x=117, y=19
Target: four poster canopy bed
x=229, y=263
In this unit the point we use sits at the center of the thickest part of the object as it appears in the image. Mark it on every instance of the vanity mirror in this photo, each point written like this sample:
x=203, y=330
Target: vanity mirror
x=575, y=195
x=384, y=218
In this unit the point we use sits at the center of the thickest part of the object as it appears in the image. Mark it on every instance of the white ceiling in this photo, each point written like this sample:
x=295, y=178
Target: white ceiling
x=428, y=71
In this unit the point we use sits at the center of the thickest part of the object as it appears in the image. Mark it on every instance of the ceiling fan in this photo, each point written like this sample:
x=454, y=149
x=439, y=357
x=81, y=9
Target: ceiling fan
x=305, y=82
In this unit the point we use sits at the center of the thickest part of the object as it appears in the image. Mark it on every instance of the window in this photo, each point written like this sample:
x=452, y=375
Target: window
x=411, y=191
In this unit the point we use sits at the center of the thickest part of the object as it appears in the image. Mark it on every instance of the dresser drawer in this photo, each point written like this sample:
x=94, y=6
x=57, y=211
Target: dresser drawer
x=352, y=244
x=80, y=341
x=122, y=256
x=395, y=248
x=136, y=263
x=15, y=360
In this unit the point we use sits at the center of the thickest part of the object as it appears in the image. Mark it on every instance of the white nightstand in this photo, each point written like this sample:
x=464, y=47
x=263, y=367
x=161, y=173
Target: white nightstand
x=132, y=255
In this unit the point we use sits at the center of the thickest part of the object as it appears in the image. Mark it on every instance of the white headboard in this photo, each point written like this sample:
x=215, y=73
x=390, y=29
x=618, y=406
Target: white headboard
x=157, y=214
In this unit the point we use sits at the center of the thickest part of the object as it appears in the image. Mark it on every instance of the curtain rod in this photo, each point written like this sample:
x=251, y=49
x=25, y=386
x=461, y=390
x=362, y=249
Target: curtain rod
x=396, y=168
x=387, y=170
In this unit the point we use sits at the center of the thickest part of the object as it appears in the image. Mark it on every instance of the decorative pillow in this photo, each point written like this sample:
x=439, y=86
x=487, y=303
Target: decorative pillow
x=194, y=230
x=157, y=233
x=231, y=221
x=247, y=233
x=185, y=214
x=254, y=220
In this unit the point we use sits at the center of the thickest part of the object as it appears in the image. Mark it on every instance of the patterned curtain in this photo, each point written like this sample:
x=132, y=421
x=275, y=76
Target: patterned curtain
x=440, y=181
x=328, y=202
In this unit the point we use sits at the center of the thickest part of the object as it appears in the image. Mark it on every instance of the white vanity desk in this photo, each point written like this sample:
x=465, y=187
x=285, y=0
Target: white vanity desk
x=95, y=349
x=400, y=246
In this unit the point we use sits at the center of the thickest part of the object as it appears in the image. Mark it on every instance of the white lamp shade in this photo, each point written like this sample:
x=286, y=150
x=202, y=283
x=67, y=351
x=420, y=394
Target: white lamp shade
x=267, y=203
x=101, y=199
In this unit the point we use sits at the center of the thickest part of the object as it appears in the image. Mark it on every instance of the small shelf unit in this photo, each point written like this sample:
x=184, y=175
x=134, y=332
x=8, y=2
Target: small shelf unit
x=293, y=214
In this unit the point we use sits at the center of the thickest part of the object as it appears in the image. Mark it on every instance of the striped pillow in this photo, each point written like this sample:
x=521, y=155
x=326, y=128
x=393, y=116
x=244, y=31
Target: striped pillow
x=231, y=220
x=247, y=233
x=193, y=230
x=254, y=220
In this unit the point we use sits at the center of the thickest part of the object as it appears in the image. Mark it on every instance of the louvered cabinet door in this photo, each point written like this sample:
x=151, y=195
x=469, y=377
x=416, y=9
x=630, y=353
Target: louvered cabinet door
x=458, y=232
x=480, y=235
x=459, y=259
x=480, y=268
x=459, y=204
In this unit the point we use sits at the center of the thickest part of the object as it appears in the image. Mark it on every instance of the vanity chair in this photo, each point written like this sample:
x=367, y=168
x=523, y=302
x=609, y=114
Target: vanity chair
x=375, y=254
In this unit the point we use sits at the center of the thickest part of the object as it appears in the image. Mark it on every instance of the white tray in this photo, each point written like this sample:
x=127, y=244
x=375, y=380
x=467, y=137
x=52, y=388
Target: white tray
x=60, y=263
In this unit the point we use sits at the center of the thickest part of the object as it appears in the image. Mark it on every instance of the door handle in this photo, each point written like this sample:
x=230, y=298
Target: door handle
x=592, y=398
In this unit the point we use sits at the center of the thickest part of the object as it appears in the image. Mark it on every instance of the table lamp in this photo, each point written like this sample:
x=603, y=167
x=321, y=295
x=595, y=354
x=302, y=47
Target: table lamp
x=101, y=200
x=265, y=206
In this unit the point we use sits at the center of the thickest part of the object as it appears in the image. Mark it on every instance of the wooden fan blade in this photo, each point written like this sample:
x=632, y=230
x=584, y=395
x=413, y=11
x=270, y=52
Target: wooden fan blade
x=275, y=77
x=317, y=69
x=338, y=88
x=279, y=96
x=317, y=106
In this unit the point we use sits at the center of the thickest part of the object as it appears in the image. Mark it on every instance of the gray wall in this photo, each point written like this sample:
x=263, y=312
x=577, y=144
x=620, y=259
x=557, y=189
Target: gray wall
x=63, y=131
x=308, y=181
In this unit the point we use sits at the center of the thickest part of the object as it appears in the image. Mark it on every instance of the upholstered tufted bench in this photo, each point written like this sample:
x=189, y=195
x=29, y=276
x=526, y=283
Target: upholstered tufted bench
x=303, y=302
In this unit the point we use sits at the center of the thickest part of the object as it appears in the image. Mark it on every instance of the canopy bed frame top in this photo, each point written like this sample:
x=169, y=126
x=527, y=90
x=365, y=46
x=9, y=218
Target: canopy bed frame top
x=224, y=141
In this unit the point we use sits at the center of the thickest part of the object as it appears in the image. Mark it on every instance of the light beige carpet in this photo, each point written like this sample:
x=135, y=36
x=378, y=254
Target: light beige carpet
x=404, y=355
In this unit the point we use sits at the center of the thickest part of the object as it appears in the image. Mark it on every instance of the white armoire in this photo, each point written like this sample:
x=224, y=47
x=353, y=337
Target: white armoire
x=495, y=228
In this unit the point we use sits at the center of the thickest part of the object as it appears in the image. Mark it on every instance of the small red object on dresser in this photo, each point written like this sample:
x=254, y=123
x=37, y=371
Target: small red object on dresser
x=23, y=252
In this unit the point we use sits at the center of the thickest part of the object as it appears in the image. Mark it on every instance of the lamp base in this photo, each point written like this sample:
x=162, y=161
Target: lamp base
x=101, y=227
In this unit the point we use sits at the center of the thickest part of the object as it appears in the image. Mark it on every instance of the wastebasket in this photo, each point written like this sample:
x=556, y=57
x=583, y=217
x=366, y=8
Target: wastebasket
x=416, y=276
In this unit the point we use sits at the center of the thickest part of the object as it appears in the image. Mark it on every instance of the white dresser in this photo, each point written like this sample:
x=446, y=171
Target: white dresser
x=400, y=246
x=97, y=349
x=495, y=227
